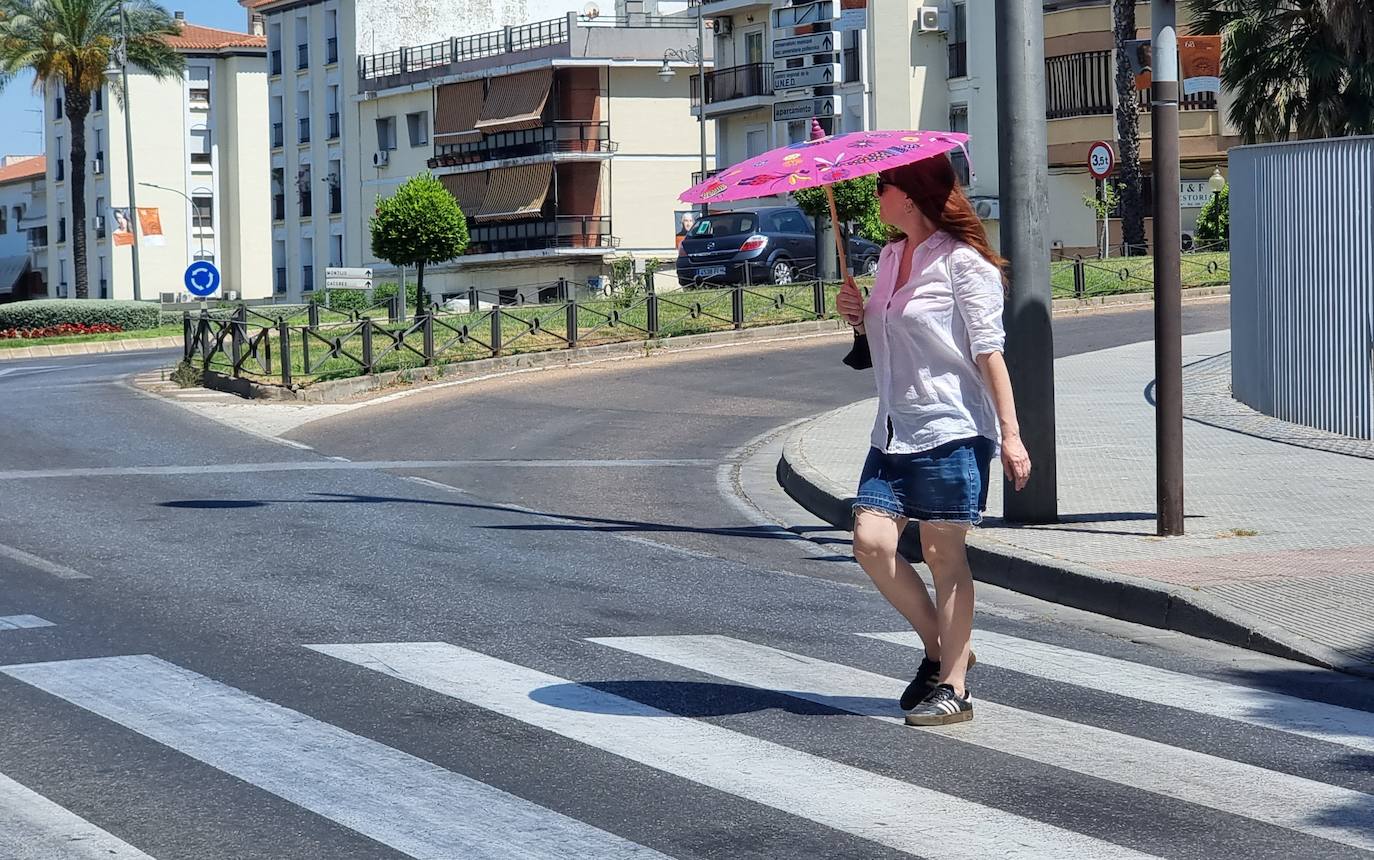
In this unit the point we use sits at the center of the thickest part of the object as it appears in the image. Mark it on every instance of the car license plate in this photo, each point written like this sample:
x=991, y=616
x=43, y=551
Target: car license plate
x=711, y=272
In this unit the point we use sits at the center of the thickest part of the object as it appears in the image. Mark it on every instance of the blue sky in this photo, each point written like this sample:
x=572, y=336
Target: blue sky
x=19, y=130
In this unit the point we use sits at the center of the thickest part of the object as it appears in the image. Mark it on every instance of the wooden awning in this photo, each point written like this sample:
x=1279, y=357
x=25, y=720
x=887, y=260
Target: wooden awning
x=469, y=189
x=457, y=108
x=516, y=192
x=515, y=101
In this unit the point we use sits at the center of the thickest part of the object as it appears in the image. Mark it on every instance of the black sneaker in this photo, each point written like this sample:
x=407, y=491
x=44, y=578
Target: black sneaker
x=924, y=683
x=942, y=707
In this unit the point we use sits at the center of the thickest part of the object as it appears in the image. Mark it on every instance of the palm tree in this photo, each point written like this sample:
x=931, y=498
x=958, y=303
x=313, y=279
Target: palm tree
x=1289, y=68
x=69, y=44
x=1128, y=130
x=1353, y=23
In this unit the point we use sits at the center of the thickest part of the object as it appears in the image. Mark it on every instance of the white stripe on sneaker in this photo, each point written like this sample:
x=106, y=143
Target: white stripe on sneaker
x=34, y=828
x=1299, y=804
x=411, y=805
x=1333, y=723
x=835, y=795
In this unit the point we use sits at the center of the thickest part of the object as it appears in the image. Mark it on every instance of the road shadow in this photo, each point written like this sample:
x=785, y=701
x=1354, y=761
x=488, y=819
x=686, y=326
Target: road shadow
x=693, y=699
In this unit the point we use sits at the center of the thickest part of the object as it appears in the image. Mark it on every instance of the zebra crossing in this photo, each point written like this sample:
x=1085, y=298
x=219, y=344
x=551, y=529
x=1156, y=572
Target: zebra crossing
x=417, y=808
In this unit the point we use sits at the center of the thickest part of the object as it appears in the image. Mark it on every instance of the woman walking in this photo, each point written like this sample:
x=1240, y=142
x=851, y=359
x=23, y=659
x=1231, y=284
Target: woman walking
x=932, y=332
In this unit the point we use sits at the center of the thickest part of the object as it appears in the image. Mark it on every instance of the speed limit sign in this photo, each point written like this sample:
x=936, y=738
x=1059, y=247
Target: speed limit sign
x=1101, y=160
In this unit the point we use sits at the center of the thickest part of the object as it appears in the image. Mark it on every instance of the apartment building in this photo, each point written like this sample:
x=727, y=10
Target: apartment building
x=1081, y=109
x=199, y=162
x=23, y=230
x=910, y=65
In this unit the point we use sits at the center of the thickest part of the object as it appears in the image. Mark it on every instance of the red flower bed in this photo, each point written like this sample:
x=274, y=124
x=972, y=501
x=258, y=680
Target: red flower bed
x=63, y=330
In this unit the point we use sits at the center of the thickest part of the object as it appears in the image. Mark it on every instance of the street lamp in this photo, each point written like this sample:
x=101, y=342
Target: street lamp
x=195, y=210
x=1217, y=182
x=692, y=55
x=119, y=63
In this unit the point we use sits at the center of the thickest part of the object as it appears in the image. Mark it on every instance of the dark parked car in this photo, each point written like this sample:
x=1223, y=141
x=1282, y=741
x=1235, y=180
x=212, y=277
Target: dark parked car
x=767, y=245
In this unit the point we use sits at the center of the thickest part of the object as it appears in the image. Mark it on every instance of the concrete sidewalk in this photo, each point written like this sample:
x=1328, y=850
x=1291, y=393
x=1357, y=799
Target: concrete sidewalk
x=1279, y=554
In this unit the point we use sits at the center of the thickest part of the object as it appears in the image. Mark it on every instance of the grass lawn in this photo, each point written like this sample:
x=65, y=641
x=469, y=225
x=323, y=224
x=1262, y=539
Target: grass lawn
x=137, y=334
x=1136, y=274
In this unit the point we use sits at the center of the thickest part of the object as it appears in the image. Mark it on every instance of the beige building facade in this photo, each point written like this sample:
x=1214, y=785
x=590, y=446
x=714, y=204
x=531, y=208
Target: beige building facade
x=199, y=163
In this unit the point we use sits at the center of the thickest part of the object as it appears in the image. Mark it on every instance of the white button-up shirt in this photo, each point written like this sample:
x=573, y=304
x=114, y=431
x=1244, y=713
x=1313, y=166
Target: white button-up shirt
x=924, y=336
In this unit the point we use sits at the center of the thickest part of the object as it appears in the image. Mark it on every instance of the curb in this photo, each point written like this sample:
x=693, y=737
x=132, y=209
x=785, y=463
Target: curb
x=1127, y=598
x=1121, y=300
x=58, y=350
x=345, y=390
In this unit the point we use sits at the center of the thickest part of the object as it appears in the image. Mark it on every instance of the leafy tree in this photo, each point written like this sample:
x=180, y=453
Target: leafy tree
x=1214, y=223
x=856, y=202
x=419, y=224
x=69, y=44
x=1128, y=131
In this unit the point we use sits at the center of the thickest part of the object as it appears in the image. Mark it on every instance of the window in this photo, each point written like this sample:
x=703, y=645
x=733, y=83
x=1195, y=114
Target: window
x=61, y=230
x=332, y=105
x=199, y=92
x=853, y=69
x=279, y=267
x=59, y=170
x=335, y=189
x=98, y=163
x=98, y=100
x=104, y=279
x=755, y=142
x=958, y=121
x=57, y=108
x=307, y=264
x=331, y=33
x=418, y=124
x=303, y=191
x=791, y=222
x=203, y=211
x=278, y=194
x=336, y=250
x=200, y=146
x=4, y=224
x=958, y=42
x=99, y=218
x=753, y=47
x=302, y=43
x=278, y=135
x=1079, y=84
x=303, y=116
x=200, y=97
x=386, y=132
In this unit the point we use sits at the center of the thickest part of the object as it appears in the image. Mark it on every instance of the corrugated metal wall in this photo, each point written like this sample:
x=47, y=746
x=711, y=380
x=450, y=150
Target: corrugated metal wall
x=1302, y=282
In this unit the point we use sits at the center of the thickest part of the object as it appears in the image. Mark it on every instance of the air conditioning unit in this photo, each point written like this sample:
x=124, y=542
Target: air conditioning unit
x=988, y=208
x=98, y=222
x=381, y=158
x=724, y=27
x=98, y=166
x=931, y=19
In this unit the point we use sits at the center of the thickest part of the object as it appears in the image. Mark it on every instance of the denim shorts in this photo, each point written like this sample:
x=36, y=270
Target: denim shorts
x=948, y=484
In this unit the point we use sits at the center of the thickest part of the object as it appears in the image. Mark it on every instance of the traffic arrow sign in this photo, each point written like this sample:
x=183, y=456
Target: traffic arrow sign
x=821, y=75
x=802, y=46
x=805, y=109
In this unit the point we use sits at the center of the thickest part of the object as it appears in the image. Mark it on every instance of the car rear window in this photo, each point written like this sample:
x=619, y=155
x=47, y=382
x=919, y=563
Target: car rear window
x=726, y=224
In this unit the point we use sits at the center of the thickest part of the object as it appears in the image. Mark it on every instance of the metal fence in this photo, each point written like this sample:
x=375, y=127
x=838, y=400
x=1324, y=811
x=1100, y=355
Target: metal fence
x=1302, y=305
x=305, y=343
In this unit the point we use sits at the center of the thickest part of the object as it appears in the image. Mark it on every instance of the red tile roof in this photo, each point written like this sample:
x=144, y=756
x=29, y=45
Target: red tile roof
x=194, y=37
x=254, y=4
x=26, y=169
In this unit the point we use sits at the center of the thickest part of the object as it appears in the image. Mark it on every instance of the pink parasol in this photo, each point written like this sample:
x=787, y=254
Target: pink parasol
x=820, y=161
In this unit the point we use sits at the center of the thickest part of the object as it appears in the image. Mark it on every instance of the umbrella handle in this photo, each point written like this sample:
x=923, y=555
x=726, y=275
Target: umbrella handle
x=839, y=240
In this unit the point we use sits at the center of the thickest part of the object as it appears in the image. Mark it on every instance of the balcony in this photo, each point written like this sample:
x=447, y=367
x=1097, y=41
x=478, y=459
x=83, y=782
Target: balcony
x=302, y=57
x=569, y=138
x=275, y=62
x=736, y=88
x=333, y=126
x=562, y=232
x=722, y=7
x=278, y=135
x=303, y=130
x=331, y=50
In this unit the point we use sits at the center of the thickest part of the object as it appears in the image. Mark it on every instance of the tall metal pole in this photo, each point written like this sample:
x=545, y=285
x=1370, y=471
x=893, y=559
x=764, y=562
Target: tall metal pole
x=701, y=76
x=1024, y=181
x=129, y=142
x=1168, y=287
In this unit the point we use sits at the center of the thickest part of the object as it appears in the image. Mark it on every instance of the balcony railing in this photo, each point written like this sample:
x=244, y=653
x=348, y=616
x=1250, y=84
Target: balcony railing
x=305, y=204
x=276, y=62
x=1078, y=85
x=303, y=129
x=565, y=231
x=61, y=170
x=302, y=57
x=958, y=59
x=278, y=207
x=307, y=278
x=278, y=135
x=561, y=136
x=736, y=82
x=462, y=49
x=333, y=126
x=279, y=281
x=335, y=200
x=1196, y=101
x=331, y=50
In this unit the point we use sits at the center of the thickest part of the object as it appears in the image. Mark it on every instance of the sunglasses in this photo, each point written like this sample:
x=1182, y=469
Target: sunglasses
x=883, y=185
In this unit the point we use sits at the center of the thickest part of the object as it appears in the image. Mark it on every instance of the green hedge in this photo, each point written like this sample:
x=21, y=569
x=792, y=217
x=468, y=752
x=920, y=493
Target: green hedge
x=129, y=316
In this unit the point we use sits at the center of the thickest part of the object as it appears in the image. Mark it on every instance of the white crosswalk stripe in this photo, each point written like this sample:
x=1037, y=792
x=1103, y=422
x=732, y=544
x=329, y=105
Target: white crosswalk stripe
x=22, y=622
x=839, y=796
x=409, y=804
x=1333, y=723
x=34, y=828
x=1304, y=805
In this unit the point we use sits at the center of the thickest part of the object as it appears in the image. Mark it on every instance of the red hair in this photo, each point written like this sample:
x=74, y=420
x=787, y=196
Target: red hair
x=933, y=187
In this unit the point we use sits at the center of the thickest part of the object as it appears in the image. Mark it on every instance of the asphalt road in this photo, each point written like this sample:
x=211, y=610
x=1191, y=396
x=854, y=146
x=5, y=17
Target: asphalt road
x=215, y=645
